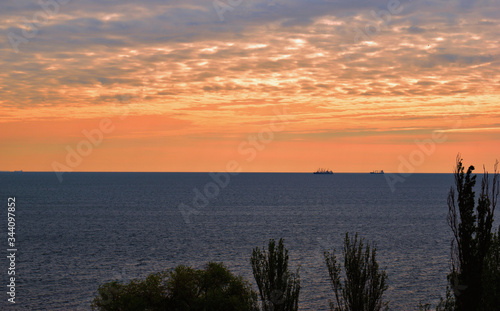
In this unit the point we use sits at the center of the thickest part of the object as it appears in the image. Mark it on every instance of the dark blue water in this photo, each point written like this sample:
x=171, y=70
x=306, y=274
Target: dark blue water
x=96, y=227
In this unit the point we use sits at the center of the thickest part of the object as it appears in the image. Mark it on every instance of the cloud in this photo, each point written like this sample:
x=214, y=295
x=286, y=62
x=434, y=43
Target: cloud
x=172, y=55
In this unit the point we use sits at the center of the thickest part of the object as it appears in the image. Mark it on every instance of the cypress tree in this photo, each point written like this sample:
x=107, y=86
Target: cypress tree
x=472, y=235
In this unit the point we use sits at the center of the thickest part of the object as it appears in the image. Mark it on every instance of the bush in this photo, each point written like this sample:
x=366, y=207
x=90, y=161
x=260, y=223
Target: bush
x=184, y=288
x=136, y=295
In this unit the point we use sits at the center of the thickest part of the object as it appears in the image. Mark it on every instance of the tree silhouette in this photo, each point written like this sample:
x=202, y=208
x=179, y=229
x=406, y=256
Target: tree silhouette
x=471, y=226
x=183, y=288
x=278, y=288
x=364, y=283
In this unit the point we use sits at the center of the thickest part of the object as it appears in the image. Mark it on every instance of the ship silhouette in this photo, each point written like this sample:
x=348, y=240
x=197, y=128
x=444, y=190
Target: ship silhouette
x=323, y=171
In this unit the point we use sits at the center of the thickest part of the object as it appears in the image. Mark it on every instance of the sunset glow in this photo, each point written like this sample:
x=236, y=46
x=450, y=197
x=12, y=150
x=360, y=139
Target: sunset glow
x=278, y=86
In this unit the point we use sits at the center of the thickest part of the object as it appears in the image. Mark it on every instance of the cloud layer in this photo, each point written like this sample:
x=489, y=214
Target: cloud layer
x=343, y=68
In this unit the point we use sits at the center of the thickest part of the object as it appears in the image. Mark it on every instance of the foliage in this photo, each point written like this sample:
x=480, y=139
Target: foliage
x=471, y=226
x=364, y=283
x=448, y=303
x=424, y=307
x=491, y=275
x=184, y=288
x=137, y=295
x=278, y=287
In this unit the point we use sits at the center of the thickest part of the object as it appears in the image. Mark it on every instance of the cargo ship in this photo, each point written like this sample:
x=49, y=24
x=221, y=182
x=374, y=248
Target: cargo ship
x=323, y=171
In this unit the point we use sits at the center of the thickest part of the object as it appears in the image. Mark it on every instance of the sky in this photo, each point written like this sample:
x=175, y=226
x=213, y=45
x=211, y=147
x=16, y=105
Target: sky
x=252, y=86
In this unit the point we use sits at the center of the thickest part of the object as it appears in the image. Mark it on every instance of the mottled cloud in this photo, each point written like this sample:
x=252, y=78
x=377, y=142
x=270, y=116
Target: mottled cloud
x=366, y=66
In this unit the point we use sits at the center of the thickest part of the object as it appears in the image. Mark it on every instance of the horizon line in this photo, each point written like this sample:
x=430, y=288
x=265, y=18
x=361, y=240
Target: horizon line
x=208, y=172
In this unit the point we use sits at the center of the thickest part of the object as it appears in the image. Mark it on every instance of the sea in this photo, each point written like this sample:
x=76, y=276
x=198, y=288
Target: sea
x=86, y=229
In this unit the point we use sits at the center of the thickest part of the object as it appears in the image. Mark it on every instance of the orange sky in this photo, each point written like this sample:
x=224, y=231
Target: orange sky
x=276, y=86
